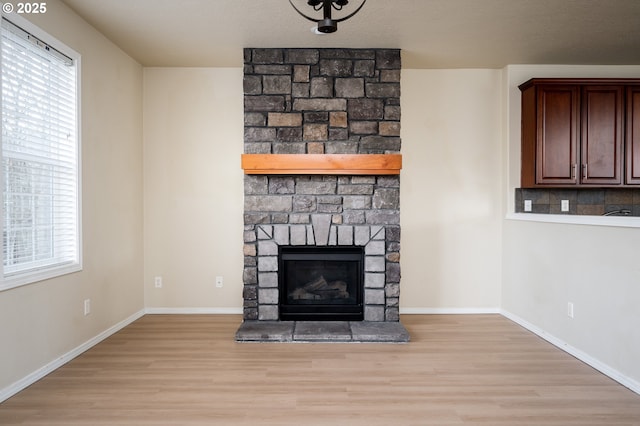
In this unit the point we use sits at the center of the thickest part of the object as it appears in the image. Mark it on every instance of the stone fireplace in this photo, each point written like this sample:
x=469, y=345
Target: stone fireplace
x=321, y=103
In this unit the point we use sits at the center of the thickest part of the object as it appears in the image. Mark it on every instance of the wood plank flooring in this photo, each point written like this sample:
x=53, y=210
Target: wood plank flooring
x=457, y=370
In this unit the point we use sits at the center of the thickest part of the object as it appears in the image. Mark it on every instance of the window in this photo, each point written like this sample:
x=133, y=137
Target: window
x=40, y=151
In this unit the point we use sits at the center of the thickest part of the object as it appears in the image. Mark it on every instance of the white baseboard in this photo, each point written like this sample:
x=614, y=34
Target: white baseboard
x=193, y=311
x=30, y=379
x=582, y=356
x=448, y=311
x=238, y=311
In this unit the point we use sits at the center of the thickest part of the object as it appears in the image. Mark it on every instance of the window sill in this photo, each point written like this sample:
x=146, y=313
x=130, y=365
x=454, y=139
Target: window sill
x=615, y=221
x=33, y=277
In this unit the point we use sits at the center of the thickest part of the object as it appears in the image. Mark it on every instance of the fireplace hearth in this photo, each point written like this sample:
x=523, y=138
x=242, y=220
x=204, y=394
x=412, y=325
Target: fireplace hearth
x=321, y=283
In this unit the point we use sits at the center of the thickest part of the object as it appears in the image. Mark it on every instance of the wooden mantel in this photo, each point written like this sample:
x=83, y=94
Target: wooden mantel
x=322, y=164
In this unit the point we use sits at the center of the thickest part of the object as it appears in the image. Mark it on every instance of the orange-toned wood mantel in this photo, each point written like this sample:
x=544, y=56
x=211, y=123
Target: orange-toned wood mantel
x=325, y=164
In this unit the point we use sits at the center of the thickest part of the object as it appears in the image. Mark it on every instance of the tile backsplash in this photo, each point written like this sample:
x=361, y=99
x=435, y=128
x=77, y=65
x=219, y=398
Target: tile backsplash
x=594, y=202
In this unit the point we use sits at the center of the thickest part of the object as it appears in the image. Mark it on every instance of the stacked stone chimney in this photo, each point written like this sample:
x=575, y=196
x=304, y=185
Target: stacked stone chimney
x=322, y=101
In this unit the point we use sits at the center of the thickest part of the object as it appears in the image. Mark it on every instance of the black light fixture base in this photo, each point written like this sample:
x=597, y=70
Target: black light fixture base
x=327, y=24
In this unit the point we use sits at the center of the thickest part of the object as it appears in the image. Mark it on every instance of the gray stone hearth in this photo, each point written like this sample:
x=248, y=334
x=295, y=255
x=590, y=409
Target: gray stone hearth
x=322, y=101
x=322, y=332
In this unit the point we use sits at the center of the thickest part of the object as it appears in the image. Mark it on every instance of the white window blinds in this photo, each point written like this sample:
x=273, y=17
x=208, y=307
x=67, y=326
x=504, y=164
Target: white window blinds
x=39, y=157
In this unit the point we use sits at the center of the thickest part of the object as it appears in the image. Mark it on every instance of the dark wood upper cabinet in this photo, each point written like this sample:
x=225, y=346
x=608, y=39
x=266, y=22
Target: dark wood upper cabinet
x=557, y=134
x=602, y=136
x=633, y=136
x=574, y=133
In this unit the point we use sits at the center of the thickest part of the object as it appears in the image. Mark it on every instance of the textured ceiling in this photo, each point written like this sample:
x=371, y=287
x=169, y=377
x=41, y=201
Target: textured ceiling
x=431, y=33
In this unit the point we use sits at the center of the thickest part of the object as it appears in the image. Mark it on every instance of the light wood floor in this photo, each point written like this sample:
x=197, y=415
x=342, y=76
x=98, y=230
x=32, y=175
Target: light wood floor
x=457, y=370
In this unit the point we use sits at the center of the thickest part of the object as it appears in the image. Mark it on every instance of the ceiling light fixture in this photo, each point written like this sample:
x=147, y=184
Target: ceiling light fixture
x=327, y=24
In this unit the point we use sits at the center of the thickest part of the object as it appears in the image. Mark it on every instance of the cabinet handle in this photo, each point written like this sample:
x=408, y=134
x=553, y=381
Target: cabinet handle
x=584, y=170
x=573, y=171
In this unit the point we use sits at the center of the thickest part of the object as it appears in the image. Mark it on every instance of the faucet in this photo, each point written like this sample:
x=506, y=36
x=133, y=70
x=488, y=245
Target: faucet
x=621, y=212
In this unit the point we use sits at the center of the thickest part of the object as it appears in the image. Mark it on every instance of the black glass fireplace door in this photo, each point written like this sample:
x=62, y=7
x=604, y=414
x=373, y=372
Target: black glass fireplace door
x=321, y=283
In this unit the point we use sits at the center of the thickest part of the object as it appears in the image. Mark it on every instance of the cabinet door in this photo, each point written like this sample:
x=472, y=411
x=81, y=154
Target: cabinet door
x=602, y=135
x=557, y=134
x=633, y=136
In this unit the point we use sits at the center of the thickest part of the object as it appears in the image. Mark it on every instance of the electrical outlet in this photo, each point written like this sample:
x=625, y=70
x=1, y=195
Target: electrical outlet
x=527, y=205
x=564, y=205
x=158, y=282
x=570, y=310
x=87, y=306
x=219, y=282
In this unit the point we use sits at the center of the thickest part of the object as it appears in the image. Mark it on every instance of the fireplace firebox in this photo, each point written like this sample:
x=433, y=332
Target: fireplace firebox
x=321, y=283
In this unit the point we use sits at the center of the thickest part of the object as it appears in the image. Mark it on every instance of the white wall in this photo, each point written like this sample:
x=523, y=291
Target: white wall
x=42, y=321
x=547, y=265
x=450, y=190
x=193, y=188
x=193, y=138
